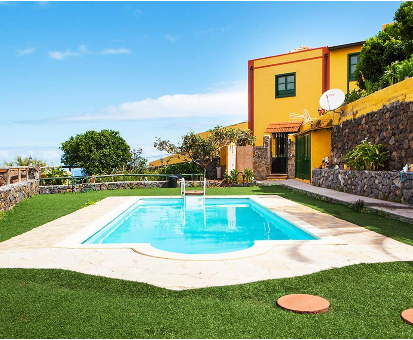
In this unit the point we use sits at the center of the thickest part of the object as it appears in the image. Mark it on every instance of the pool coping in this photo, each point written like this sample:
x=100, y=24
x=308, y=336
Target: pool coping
x=259, y=247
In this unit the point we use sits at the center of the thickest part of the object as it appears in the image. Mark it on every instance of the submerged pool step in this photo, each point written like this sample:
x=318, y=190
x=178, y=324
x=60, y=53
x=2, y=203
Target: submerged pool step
x=194, y=193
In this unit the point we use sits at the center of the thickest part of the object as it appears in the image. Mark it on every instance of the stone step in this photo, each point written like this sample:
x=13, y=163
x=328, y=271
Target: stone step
x=276, y=177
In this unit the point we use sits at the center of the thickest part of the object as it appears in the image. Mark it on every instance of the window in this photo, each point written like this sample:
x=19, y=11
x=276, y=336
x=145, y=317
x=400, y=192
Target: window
x=353, y=59
x=285, y=85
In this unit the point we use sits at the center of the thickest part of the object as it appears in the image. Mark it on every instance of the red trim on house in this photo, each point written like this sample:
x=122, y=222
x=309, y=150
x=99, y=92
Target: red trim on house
x=288, y=62
x=326, y=70
x=251, y=95
x=279, y=55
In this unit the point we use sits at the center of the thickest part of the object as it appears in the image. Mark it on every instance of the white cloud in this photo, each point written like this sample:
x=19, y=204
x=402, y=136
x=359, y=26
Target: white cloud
x=171, y=38
x=115, y=51
x=61, y=55
x=224, y=99
x=25, y=51
x=137, y=12
x=82, y=50
x=43, y=3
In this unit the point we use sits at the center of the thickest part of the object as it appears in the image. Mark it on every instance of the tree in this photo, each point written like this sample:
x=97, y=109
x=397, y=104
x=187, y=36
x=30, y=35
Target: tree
x=202, y=150
x=96, y=152
x=20, y=161
x=376, y=54
x=404, y=24
x=395, y=43
x=138, y=163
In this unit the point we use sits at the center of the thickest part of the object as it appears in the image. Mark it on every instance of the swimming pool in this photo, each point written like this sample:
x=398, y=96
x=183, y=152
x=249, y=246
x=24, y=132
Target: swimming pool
x=210, y=226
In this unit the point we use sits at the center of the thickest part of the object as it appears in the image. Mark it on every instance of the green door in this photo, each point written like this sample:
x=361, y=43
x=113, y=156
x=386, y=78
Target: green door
x=303, y=156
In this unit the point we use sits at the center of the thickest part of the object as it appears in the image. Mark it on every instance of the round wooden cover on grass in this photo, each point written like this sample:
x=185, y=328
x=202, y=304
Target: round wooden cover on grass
x=407, y=316
x=304, y=303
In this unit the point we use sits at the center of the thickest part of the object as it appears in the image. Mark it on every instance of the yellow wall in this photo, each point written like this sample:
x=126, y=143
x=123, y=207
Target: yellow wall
x=320, y=147
x=174, y=159
x=267, y=108
x=339, y=68
x=397, y=92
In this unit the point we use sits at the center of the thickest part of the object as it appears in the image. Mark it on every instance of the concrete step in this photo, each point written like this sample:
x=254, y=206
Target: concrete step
x=276, y=177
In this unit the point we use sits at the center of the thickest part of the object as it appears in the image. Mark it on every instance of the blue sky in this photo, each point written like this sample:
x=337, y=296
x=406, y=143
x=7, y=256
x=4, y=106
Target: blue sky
x=148, y=69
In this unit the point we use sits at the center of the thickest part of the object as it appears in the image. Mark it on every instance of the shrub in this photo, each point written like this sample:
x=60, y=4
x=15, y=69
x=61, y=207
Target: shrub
x=367, y=156
x=56, y=172
x=232, y=177
x=397, y=72
x=359, y=206
x=247, y=175
x=354, y=95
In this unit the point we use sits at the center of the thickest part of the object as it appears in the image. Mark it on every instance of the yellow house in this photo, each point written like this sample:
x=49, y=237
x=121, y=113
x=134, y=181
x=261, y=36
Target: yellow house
x=174, y=159
x=285, y=86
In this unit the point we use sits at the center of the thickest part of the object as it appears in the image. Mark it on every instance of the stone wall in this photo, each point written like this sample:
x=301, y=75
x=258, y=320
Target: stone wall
x=59, y=189
x=261, y=160
x=12, y=194
x=391, y=125
x=291, y=159
x=384, y=185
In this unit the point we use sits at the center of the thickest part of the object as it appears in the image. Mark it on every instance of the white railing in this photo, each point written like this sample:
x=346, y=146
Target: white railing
x=183, y=187
x=204, y=185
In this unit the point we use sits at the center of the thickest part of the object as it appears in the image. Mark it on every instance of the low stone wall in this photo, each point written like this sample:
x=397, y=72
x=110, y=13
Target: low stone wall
x=59, y=189
x=384, y=185
x=12, y=194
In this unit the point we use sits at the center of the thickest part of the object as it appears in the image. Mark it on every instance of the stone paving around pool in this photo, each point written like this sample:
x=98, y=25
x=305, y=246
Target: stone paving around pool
x=37, y=249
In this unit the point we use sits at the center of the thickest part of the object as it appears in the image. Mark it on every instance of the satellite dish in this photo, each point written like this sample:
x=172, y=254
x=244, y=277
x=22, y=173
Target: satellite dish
x=332, y=99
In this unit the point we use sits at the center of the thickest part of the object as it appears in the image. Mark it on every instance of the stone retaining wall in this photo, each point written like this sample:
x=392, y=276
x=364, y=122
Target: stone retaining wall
x=12, y=194
x=384, y=185
x=59, y=189
x=391, y=125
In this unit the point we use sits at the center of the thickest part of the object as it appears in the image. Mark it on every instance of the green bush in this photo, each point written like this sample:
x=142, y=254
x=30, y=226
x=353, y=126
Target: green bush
x=359, y=206
x=56, y=172
x=354, y=95
x=397, y=72
x=367, y=156
x=247, y=175
x=181, y=168
x=232, y=177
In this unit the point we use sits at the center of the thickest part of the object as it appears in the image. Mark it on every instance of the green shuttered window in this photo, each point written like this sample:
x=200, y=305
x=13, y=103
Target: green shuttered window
x=353, y=59
x=285, y=85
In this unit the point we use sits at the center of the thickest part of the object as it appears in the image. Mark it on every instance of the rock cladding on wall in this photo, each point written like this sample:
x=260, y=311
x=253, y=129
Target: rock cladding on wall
x=291, y=159
x=261, y=160
x=392, y=125
x=60, y=189
x=384, y=185
x=12, y=194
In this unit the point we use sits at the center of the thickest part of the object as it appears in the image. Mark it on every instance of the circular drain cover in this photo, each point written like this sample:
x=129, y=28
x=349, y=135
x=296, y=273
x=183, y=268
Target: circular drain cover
x=304, y=303
x=407, y=316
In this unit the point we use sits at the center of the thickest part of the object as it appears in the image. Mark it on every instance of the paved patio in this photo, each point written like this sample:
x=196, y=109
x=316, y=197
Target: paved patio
x=36, y=249
x=398, y=211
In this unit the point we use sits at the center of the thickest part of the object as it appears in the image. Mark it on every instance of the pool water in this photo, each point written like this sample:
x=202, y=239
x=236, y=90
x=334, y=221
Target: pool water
x=193, y=227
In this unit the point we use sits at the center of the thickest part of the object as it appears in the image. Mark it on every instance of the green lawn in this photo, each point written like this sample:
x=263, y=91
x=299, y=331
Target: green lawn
x=366, y=302
x=45, y=208
x=366, y=299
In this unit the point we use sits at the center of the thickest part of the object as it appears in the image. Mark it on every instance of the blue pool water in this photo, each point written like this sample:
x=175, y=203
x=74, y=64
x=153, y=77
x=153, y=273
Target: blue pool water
x=219, y=226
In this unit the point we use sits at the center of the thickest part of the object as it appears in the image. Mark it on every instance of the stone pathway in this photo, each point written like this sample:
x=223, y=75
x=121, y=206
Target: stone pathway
x=399, y=211
x=35, y=249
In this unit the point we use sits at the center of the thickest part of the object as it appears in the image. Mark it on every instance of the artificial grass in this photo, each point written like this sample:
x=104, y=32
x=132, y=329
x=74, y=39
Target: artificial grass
x=366, y=302
x=41, y=209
